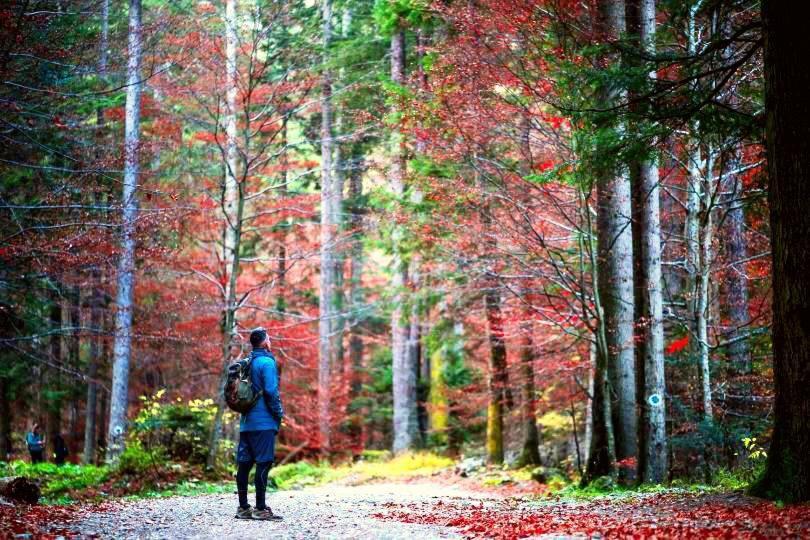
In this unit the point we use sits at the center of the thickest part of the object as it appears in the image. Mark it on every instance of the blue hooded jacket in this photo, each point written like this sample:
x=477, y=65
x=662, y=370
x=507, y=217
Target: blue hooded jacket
x=267, y=412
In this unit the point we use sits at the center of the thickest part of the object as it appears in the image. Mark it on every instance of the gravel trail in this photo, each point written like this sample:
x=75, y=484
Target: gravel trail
x=332, y=511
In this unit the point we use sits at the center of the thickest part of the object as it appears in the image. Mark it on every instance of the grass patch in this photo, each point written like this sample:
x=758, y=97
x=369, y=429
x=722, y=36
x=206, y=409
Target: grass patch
x=186, y=488
x=57, y=482
x=303, y=473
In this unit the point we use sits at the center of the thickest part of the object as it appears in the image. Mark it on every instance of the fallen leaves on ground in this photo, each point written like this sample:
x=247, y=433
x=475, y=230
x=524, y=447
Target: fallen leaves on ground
x=674, y=516
x=39, y=520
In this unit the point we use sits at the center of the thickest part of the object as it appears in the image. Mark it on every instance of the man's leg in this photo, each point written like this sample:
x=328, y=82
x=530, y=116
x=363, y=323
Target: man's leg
x=244, y=462
x=242, y=475
x=260, y=481
x=264, y=449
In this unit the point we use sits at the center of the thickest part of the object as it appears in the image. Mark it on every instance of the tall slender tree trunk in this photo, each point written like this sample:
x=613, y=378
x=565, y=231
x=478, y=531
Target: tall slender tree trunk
x=72, y=319
x=703, y=311
x=614, y=222
x=530, y=454
x=405, y=415
x=602, y=445
x=119, y=400
x=97, y=294
x=232, y=208
x=91, y=405
x=736, y=281
x=356, y=295
x=281, y=273
x=498, y=375
x=5, y=420
x=698, y=242
x=329, y=200
x=787, y=132
x=651, y=391
x=54, y=402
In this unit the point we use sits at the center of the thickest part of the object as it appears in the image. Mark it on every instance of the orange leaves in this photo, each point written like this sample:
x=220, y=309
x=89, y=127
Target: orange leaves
x=206, y=137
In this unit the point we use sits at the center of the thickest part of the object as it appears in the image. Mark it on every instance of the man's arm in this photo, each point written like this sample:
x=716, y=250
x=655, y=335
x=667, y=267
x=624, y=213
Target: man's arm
x=270, y=390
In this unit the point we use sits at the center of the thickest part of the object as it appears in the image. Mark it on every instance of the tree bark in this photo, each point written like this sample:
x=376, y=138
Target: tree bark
x=406, y=425
x=53, y=419
x=787, y=476
x=651, y=391
x=5, y=419
x=614, y=225
x=97, y=294
x=326, y=323
x=736, y=281
x=356, y=295
x=602, y=447
x=232, y=208
x=530, y=454
x=119, y=399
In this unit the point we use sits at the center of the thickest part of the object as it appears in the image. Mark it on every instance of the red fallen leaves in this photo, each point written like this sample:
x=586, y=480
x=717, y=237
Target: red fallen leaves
x=655, y=516
x=38, y=520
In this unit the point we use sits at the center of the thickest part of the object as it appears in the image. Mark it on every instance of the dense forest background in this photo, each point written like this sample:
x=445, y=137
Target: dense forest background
x=532, y=230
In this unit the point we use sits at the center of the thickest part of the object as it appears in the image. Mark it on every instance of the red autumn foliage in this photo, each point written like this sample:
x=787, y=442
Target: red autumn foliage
x=677, y=345
x=651, y=516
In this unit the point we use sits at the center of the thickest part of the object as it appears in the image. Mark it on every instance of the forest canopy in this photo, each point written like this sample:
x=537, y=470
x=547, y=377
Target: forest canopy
x=537, y=231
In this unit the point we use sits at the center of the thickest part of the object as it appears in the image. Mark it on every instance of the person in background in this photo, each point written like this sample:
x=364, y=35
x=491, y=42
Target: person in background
x=258, y=429
x=60, y=449
x=36, y=444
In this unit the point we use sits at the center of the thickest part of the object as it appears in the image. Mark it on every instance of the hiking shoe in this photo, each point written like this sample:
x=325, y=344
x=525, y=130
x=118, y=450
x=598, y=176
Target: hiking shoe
x=265, y=514
x=244, y=513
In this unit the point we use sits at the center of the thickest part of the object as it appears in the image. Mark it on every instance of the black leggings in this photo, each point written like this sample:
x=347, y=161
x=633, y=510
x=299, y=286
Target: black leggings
x=259, y=482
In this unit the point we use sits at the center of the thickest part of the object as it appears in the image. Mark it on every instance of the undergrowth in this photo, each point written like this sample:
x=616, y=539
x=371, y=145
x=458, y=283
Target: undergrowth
x=304, y=473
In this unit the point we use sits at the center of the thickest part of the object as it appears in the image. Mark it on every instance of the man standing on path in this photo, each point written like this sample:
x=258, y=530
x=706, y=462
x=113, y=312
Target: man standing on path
x=258, y=429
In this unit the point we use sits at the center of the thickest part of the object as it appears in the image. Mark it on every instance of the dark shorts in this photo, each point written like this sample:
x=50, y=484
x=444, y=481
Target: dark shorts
x=256, y=446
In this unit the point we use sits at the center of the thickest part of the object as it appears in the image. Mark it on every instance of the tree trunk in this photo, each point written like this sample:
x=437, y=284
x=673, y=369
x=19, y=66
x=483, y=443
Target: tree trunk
x=232, y=207
x=97, y=294
x=616, y=274
x=602, y=447
x=327, y=279
x=5, y=419
x=497, y=375
x=703, y=313
x=405, y=415
x=736, y=281
x=651, y=392
x=73, y=314
x=356, y=290
x=53, y=419
x=696, y=244
x=787, y=476
x=530, y=454
x=119, y=399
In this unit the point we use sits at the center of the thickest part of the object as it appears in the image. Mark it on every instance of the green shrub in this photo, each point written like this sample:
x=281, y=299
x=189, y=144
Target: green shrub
x=181, y=429
x=375, y=455
x=301, y=473
x=58, y=481
x=138, y=460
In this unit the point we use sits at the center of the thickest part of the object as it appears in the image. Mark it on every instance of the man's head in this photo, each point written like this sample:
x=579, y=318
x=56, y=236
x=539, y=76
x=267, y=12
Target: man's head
x=258, y=338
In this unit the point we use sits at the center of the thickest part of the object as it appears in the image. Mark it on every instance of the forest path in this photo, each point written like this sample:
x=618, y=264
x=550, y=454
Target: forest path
x=324, y=512
x=429, y=509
